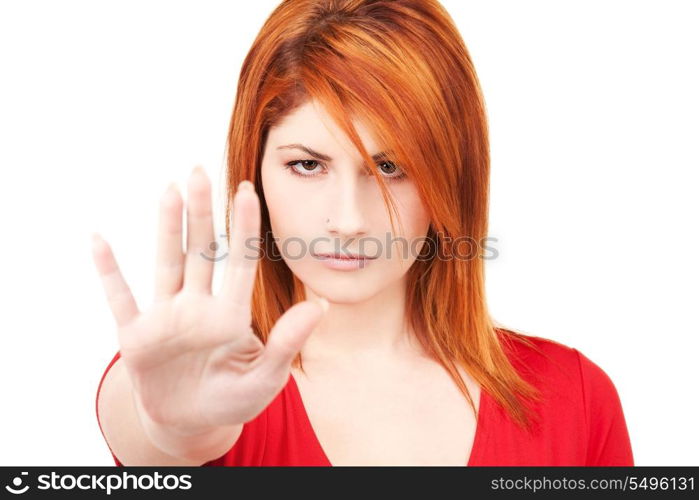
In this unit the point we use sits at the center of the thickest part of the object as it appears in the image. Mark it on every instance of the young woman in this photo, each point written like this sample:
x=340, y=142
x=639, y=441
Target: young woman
x=336, y=338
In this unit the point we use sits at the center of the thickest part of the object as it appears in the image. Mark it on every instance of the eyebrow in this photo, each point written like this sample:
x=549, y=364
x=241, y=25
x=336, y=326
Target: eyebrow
x=378, y=156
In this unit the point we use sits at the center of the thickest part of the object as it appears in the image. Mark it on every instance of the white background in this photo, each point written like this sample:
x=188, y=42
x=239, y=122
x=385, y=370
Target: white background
x=593, y=113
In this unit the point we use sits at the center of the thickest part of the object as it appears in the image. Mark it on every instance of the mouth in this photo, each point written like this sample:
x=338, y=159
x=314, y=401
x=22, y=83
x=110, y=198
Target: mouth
x=341, y=256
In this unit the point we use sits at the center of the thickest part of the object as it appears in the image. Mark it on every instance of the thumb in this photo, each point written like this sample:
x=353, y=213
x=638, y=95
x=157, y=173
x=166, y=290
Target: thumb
x=288, y=335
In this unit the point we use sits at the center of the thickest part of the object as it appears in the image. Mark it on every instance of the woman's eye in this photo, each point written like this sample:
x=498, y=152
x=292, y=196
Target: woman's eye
x=303, y=168
x=391, y=170
x=305, y=164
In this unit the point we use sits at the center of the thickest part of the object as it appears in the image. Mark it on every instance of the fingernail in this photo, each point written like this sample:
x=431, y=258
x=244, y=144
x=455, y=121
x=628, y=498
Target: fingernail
x=324, y=304
x=246, y=185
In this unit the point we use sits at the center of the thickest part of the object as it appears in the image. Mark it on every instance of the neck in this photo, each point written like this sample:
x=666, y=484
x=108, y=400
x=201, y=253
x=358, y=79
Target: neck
x=362, y=330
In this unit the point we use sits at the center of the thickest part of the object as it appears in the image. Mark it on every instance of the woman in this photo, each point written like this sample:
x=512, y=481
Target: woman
x=338, y=339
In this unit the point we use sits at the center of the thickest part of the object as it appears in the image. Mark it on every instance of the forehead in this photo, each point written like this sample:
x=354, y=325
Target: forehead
x=312, y=125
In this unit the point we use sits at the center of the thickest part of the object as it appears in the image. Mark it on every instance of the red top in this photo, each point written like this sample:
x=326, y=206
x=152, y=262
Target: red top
x=582, y=421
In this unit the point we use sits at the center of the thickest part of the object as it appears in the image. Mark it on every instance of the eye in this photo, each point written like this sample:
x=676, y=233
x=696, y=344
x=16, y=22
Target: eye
x=306, y=166
x=392, y=169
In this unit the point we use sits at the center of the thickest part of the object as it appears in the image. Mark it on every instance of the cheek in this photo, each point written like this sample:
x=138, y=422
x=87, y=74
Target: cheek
x=416, y=222
x=288, y=214
x=413, y=212
x=281, y=201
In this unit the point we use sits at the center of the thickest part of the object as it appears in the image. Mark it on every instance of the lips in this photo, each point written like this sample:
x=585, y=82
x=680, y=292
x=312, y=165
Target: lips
x=340, y=256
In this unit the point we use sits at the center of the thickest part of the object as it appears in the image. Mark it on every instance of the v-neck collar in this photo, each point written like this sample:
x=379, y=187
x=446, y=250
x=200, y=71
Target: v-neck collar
x=478, y=439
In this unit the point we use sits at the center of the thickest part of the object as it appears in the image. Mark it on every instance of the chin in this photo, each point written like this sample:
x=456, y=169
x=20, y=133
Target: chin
x=339, y=291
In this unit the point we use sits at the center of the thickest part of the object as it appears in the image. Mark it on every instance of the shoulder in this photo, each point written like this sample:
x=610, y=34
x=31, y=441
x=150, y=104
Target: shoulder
x=541, y=360
x=551, y=359
x=571, y=382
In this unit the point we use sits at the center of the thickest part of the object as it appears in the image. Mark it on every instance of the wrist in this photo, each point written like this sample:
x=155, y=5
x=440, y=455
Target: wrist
x=199, y=444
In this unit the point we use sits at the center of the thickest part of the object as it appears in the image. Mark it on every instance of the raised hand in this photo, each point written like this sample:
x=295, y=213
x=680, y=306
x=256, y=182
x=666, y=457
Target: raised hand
x=193, y=359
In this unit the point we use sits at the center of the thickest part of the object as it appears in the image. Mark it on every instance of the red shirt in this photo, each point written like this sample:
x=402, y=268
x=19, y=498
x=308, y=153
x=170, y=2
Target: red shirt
x=582, y=421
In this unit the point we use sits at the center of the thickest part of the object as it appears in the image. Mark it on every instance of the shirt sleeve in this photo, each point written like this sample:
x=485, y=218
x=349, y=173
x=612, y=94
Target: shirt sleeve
x=608, y=442
x=116, y=460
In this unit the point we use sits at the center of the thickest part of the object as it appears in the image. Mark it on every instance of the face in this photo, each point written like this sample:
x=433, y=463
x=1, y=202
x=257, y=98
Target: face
x=322, y=200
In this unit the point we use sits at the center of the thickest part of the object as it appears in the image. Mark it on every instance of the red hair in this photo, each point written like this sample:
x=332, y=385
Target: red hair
x=402, y=66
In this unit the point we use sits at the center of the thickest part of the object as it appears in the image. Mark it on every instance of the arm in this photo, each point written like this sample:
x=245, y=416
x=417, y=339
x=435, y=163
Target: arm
x=131, y=436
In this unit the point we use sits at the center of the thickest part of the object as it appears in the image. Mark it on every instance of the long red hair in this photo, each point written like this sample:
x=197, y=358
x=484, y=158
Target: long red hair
x=403, y=67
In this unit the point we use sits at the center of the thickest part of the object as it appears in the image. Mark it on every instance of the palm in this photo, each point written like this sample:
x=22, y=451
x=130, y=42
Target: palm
x=192, y=357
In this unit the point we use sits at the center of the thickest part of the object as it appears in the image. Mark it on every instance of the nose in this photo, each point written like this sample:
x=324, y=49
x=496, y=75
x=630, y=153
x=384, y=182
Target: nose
x=346, y=209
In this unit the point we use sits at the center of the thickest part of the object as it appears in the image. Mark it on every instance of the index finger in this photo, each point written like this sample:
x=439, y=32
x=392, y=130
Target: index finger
x=243, y=254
